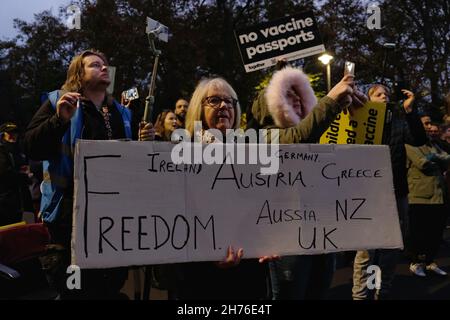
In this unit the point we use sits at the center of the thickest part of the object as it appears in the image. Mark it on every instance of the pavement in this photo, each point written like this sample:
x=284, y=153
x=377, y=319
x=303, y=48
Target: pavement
x=406, y=286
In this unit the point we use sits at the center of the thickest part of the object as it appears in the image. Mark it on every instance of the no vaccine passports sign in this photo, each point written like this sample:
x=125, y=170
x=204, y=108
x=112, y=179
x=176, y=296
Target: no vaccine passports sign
x=289, y=38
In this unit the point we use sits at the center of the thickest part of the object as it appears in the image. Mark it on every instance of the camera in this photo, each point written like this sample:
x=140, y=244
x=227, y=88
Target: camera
x=131, y=94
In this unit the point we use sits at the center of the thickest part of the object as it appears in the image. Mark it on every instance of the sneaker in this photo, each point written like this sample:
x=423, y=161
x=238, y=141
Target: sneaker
x=434, y=267
x=418, y=269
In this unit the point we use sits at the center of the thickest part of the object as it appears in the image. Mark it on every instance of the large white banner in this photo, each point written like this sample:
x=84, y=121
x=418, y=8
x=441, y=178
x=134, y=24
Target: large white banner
x=134, y=206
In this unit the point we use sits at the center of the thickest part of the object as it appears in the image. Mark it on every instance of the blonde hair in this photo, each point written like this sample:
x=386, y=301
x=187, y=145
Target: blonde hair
x=374, y=87
x=75, y=72
x=195, y=110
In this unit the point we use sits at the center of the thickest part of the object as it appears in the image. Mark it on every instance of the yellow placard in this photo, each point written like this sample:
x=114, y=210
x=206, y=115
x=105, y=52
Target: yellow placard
x=364, y=127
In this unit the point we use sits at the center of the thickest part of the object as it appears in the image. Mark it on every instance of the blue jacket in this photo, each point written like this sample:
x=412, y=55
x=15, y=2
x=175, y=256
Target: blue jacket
x=59, y=171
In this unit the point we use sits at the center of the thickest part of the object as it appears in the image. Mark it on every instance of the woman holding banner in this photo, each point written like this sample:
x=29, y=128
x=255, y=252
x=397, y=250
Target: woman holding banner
x=214, y=105
x=289, y=104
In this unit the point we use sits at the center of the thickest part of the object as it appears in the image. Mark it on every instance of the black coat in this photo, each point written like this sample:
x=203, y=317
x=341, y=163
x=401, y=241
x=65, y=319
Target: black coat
x=42, y=141
x=206, y=281
x=10, y=184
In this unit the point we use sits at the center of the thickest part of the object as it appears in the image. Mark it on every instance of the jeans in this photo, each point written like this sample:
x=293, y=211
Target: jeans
x=301, y=277
x=385, y=259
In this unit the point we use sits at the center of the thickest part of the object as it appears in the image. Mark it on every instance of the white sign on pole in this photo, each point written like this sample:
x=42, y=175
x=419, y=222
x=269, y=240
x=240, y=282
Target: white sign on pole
x=134, y=206
x=289, y=38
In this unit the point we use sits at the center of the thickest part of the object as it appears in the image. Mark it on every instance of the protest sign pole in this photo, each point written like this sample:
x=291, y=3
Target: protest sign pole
x=149, y=103
x=150, y=99
x=386, y=46
x=155, y=30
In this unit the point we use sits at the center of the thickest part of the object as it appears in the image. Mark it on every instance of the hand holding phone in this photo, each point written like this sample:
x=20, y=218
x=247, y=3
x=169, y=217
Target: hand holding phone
x=131, y=94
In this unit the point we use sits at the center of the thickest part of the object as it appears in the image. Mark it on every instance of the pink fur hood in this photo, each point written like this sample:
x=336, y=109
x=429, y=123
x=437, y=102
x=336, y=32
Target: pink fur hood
x=279, y=108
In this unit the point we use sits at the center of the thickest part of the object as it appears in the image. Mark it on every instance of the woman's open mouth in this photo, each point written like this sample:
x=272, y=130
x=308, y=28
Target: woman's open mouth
x=223, y=116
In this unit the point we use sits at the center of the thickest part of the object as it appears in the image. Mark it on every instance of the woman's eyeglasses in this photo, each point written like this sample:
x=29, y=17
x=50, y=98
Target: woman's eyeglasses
x=216, y=102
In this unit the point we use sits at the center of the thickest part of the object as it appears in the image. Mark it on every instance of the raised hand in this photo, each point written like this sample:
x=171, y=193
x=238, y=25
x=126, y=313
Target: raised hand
x=67, y=105
x=408, y=103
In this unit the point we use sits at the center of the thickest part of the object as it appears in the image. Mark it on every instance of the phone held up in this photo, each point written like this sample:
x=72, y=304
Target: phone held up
x=349, y=68
x=130, y=94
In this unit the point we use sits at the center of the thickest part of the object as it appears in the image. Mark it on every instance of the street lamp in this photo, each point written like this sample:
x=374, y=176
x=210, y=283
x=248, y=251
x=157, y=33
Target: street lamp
x=387, y=46
x=325, y=59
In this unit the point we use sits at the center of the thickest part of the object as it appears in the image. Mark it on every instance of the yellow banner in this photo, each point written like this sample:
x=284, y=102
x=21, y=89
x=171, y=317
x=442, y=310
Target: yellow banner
x=364, y=127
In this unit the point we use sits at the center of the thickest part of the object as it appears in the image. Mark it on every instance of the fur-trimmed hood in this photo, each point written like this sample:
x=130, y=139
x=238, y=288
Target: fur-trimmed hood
x=281, y=111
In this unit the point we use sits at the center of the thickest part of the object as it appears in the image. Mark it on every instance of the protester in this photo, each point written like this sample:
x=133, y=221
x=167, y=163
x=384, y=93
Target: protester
x=215, y=105
x=165, y=125
x=81, y=109
x=426, y=121
x=445, y=133
x=310, y=129
x=289, y=104
x=444, y=137
x=444, y=143
x=446, y=118
x=406, y=127
x=434, y=132
x=35, y=186
x=437, y=135
x=428, y=200
x=181, y=108
x=14, y=194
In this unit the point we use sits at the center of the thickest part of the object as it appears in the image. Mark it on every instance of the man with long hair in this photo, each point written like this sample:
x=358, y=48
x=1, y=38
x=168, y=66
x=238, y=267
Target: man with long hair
x=82, y=109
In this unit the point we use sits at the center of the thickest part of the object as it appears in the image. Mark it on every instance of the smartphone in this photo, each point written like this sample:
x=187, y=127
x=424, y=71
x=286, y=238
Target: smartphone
x=131, y=94
x=349, y=68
